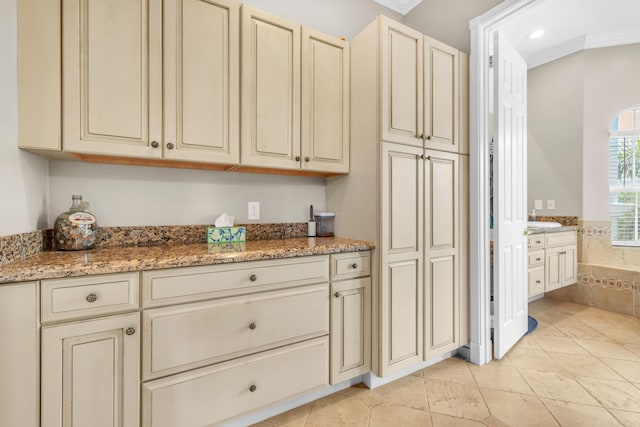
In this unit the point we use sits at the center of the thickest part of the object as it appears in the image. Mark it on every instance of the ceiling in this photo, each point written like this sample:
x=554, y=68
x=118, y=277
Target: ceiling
x=401, y=6
x=572, y=25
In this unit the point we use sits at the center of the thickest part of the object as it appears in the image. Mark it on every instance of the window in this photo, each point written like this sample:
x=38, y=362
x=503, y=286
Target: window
x=624, y=178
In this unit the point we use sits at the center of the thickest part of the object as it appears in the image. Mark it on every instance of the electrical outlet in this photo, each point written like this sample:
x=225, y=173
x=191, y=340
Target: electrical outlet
x=254, y=210
x=537, y=204
x=551, y=204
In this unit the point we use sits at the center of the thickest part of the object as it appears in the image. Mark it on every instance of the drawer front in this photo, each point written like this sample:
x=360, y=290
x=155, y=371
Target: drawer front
x=561, y=239
x=350, y=265
x=536, y=258
x=536, y=241
x=536, y=281
x=211, y=395
x=80, y=297
x=163, y=287
x=198, y=334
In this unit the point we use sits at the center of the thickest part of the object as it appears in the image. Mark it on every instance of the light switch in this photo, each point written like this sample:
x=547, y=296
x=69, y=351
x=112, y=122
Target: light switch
x=551, y=204
x=537, y=204
x=254, y=210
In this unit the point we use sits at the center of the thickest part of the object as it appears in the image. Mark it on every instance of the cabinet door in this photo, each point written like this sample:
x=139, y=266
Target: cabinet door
x=201, y=80
x=553, y=269
x=111, y=77
x=270, y=121
x=463, y=116
x=350, y=329
x=90, y=373
x=442, y=253
x=19, y=357
x=441, y=96
x=569, y=265
x=325, y=103
x=401, y=81
x=401, y=304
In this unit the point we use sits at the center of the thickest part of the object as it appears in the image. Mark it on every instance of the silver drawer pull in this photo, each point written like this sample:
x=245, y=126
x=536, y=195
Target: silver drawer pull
x=354, y=265
x=130, y=331
x=537, y=259
x=253, y=325
x=537, y=282
x=337, y=295
x=92, y=298
x=253, y=278
x=538, y=242
x=253, y=388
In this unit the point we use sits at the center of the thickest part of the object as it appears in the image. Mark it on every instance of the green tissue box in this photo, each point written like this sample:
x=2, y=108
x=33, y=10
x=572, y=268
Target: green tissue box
x=226, y=234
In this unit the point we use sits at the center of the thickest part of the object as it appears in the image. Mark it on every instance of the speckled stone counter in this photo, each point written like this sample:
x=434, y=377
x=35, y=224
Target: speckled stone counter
x=48, y=265
x=545, y=230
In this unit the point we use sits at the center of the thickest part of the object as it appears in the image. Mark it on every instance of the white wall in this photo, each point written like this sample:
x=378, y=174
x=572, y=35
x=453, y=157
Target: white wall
x=555, y=92
x=579, y=94
x=23, y=177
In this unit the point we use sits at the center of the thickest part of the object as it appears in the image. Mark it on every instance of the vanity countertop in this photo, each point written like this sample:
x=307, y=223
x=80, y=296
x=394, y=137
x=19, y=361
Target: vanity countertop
x=543, y=230
x=57, y=264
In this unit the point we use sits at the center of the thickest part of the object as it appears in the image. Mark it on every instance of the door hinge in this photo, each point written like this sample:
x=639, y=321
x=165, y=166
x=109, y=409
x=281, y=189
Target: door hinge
x=491, y=61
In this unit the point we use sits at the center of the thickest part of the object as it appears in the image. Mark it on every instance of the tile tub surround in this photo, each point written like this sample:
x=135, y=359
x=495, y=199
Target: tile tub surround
x=608, y=276
x=56, y=264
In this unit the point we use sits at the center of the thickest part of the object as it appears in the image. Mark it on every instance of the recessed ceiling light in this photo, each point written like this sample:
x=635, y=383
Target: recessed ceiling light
x=536, y=34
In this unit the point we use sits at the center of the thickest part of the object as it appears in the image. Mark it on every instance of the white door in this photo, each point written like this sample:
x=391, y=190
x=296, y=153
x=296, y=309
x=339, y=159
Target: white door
x=510, y=196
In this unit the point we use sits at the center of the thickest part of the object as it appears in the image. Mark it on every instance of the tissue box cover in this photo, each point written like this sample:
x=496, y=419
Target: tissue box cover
x=226, y=234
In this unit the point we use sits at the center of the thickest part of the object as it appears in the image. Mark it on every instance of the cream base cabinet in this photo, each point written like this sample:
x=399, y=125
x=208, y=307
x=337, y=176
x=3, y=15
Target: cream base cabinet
x=91, y=372
x=142, y=79
x=20, y=355
x=560, y=267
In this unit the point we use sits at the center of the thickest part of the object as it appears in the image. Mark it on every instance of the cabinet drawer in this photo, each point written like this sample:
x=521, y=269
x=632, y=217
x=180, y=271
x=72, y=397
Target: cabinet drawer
x=213, y=394
x=536, y=281
x=536, y=241
x=350, y=265
x=88, y=296
x=536, y=258
x=198, y=334
x=561, y=239
x=162, y=287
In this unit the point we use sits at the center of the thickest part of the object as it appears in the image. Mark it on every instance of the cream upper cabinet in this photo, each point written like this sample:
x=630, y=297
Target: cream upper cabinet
x=270, y=91
x=401, y=70
x=201, y=80
x=112, y=77
x=463, y=107
x=442, y=252
x=441, y=114
x=325, y=103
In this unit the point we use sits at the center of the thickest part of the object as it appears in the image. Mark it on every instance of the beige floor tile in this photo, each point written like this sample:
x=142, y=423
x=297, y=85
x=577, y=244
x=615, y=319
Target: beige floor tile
x=621, y=336
x=628, y=369
x=407, y=391
x=556, y=316
x=517, y=409
x=613, y=394
x=607, y=349
x=505, y=378
x=560, y=345
x=455, y=399
x=452, y=369
x=596, y=317
x=439, y=420
x=548, y=330
x=391, y=416
x=576, y=415
x=635, y=348
x=542, y=305
x=569, y=307
x=528, y=342
x=339, y=409
x=553, y=385
x=533, y=359
x=628, y=419
x=492, y=421
x=581, y=331
x=584, y=366
x=296, y=417
x=500, y=362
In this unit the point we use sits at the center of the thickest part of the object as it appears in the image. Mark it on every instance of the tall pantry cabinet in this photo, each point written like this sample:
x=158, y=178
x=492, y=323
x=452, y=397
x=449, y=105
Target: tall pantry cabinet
x=407, y=190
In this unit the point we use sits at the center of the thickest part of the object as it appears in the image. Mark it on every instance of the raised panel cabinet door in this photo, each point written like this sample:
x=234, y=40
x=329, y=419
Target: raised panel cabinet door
x=112, y=77
x=401, y=83
x=350, y=329
x=536, y=281
x=569, y=265
x=270, y=91
x=90, y=373
x=441, y=96
x=325, y=103
x=553, y=269
x=201, y=80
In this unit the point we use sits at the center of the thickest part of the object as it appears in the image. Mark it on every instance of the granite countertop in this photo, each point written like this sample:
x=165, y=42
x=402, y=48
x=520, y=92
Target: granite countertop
x=544, y=230
x=57, y=264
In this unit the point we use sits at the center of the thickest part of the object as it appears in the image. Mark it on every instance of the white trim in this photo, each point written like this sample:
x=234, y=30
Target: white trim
x=372, y=381
x=557, y=52
x=401, y=6
x=612, y=38
x=481, y=29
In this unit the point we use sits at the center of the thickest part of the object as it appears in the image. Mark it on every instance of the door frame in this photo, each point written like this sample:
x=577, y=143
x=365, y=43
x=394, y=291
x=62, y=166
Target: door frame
x=481, y=29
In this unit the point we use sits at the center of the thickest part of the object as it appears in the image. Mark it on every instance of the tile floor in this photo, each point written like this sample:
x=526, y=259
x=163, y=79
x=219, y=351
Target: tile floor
x=581, y=367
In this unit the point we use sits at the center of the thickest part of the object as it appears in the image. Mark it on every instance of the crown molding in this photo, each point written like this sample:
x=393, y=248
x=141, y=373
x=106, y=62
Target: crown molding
x=612, y=38
x=401, y=6
x=556, y=52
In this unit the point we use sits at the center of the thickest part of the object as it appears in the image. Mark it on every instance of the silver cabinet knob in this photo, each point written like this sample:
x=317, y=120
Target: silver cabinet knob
x=253, y=388
x=354, y=265
x=297, y=158
x=537, y=259
x=337, y=295
x=253, y=325
x=428, y=137
x=92, y=298
x=253, y=278
x=130, y=331
x=421, y=136
x=170, y=145
x=306, y=159
x=155, y=144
